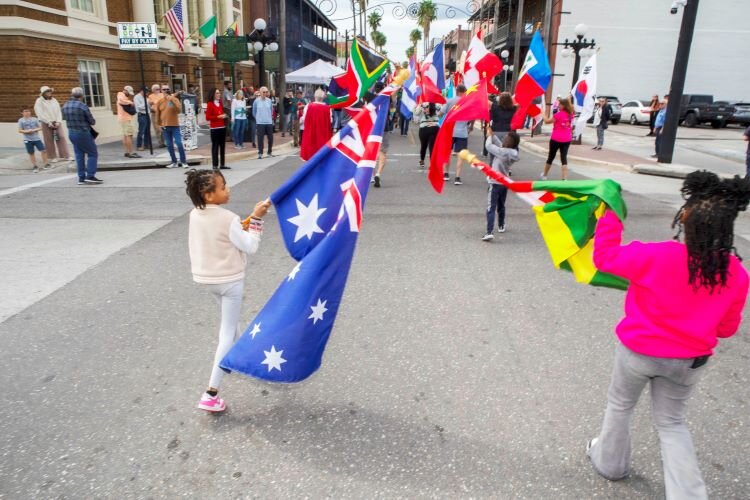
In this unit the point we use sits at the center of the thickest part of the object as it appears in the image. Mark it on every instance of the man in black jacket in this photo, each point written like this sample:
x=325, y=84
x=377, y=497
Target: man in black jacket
x=602, y=115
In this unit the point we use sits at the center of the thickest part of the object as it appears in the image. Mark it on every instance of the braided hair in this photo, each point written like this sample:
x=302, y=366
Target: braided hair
x=200, y=182
x=708, y=215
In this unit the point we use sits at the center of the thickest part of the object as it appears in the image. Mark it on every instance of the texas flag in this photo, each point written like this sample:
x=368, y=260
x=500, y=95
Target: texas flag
x=532, y=82
x=433, y=75
x=320, y=213
x=480, y=64
x=583, y=93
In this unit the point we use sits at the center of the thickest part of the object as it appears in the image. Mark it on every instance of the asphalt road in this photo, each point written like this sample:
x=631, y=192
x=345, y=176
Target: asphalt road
x=456, y=369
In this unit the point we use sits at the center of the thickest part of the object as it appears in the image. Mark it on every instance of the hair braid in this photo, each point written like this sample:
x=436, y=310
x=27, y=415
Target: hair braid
x=708, y=215
x=200, y=182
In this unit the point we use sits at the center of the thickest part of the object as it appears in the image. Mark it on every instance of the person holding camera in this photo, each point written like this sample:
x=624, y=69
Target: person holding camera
x=169, y=109
x=125, y=112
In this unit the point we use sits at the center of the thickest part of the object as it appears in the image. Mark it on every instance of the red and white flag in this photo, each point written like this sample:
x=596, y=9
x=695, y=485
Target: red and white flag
x=480, y=64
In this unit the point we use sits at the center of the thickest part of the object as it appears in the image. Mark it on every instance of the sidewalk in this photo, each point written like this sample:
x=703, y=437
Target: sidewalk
x=612, y=157
x=111, y=156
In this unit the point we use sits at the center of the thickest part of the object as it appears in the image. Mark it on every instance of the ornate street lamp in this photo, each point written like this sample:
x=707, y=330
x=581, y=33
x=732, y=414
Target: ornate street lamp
x=259, y=42
x=580, y=47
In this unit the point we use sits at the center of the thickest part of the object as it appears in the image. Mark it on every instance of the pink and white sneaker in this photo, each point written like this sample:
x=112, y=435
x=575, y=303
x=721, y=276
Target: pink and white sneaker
x=212, y=403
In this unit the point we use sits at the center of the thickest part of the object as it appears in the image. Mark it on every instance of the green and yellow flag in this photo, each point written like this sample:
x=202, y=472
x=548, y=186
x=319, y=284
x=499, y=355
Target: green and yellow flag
x=567, y=223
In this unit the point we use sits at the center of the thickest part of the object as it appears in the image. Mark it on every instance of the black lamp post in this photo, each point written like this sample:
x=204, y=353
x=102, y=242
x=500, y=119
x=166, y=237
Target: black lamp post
x=575, y=48
x=261, y=42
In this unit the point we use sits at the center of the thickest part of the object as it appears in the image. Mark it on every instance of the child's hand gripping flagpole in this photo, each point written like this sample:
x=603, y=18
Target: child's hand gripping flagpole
x=261, y=209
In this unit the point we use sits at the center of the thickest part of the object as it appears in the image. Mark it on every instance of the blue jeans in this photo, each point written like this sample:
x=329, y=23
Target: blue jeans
x=142, y=130
x=238, y=132
x=84, y=145
x=172, y=135
x=496, y=195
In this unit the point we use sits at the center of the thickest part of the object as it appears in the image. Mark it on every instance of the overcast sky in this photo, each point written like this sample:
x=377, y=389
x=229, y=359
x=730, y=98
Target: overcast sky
x=397, y=30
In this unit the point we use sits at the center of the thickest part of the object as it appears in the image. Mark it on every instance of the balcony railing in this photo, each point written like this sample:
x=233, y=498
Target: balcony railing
x=311, y=40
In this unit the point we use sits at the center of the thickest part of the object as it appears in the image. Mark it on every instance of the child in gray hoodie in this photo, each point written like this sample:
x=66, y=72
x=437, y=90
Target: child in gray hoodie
x=503, y=156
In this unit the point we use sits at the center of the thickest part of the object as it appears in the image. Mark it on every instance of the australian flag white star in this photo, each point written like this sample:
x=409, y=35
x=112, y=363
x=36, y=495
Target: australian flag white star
x=320, y=213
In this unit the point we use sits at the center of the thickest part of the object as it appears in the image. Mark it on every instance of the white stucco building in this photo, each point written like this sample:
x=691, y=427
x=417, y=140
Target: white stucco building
x=638, y=43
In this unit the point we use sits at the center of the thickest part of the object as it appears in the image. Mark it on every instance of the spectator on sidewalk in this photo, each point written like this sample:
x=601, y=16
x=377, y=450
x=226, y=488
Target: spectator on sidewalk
x=239, y=119
x=654, y=106
x=47, y=110
x=659, y=125
x=263, y=113
x=141, y=110
x=169, y=109
x=125, y=112
x=317, y=120
x=602, y=115
x=217, y=123
x=153, y=102
x=81, y=135
x=30, y=127
x=298, y=105
x=251, y=125
x=287, y=125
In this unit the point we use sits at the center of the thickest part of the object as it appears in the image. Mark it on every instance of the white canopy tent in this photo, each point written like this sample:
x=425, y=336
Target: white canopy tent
x=317, y=73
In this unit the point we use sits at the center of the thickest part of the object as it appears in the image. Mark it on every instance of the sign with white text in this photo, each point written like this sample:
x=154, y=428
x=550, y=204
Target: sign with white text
x=137, y=36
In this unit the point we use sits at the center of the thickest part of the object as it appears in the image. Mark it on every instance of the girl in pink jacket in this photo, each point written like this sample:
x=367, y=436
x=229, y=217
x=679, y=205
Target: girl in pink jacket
x=682, y=298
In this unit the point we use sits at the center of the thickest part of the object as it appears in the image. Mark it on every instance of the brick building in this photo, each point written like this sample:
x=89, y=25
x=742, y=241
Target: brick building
x=69, y=43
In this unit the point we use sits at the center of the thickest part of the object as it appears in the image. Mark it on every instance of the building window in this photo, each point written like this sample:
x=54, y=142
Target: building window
x=84, y=5
x=160, y=8
x=91, y=76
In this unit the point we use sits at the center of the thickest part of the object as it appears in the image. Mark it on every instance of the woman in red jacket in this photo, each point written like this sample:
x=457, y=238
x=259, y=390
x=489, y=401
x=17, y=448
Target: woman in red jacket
x=216, y=118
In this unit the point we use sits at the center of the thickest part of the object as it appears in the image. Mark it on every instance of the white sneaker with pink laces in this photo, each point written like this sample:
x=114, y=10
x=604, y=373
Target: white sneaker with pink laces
x=211, y=403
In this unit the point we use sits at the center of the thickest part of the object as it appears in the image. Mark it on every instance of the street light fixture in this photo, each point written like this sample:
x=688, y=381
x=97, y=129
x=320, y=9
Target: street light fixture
x=504, y=54
x=580, y=47
x=261, y=43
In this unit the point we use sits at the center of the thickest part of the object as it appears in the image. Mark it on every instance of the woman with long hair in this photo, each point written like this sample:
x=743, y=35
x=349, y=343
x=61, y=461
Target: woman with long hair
x=501, y=114
x=562, y=134
x=681, y=299
x=217, y=123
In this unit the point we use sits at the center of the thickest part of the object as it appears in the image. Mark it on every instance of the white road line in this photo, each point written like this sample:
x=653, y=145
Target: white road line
x=36, y=184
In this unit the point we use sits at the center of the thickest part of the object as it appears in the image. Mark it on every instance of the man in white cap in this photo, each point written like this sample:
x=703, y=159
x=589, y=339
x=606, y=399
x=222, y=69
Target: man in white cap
x=47, y=109
x=125, y=112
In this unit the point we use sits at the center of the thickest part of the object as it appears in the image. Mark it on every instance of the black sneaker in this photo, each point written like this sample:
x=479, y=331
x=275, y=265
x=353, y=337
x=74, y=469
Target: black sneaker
x=488, y=237
x=457, y=182
x=421, y=165
x=501, y=228
x=225, y=167
x=446, y=176
x=377, y=181
x=93, y=180
x=81, y=182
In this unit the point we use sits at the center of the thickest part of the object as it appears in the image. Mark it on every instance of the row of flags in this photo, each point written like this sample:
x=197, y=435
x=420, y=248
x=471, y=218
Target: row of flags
x=174, y=19
x=320, y=207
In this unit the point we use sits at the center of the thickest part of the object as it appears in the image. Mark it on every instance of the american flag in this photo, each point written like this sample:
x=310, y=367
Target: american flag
x=174, y=20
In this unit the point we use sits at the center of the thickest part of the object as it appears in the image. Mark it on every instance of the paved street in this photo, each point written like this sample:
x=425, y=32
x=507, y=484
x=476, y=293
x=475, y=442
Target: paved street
x=456, y=369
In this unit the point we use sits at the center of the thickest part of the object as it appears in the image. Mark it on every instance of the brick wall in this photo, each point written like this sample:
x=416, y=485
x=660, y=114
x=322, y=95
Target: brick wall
x=55, y=4
x=32, y=62
x=25, y=12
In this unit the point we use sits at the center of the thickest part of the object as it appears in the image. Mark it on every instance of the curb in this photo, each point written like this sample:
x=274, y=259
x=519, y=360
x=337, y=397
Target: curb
x=542, y=151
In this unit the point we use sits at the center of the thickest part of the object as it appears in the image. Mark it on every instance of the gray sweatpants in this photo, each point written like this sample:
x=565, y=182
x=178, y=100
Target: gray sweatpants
x=229, y=297
x=671, y=382
x=600, y=136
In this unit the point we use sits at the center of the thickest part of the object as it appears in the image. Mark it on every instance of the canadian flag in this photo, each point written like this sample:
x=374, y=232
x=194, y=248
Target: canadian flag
x=480, y=63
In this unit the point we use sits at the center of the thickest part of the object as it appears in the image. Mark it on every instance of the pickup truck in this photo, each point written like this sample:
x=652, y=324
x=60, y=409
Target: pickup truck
x=699, y=108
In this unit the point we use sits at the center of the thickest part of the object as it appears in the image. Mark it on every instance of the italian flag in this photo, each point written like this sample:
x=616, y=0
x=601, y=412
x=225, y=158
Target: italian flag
x=208, y=31
x=567, y=213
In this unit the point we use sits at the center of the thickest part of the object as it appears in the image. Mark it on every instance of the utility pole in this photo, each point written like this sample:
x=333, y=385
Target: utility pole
x=669, y=132
x=517, y=44
x=281, y=94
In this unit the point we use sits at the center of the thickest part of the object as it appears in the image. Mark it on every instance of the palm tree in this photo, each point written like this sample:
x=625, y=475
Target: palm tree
x=379, y=40
x=415, y=36
x=374, y=20
x=426, y=13
x=409, y=52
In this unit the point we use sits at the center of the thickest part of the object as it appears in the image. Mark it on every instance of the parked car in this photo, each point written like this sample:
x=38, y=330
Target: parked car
x=636, y=112
x=614, y=102
x=741, y=115
x=701, y=108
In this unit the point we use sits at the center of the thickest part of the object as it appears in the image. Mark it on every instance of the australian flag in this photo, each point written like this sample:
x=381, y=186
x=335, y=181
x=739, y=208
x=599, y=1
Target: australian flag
x=320, y=213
